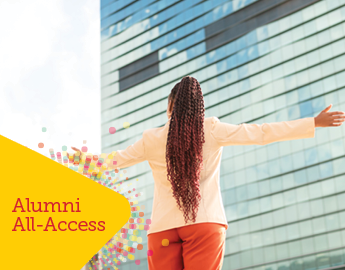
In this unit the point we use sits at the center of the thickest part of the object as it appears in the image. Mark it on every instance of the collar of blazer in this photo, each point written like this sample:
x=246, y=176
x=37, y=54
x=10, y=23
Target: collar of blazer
x=167, y=122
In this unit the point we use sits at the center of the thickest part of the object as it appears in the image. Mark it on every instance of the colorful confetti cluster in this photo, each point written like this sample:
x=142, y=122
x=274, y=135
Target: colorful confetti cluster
x=102, y=169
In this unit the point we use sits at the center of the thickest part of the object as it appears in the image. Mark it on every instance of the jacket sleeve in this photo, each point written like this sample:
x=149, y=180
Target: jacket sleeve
x=245, y=134
x=132, y=155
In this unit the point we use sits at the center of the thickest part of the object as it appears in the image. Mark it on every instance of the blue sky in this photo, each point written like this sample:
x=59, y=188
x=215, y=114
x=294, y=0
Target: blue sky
x=50, y=73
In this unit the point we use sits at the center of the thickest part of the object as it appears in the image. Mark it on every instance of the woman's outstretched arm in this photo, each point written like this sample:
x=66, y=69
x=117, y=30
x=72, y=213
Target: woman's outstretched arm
x=246, y=134
x=133, y=154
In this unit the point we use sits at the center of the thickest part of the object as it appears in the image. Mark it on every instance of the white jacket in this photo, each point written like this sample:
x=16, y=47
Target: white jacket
x=152, y=147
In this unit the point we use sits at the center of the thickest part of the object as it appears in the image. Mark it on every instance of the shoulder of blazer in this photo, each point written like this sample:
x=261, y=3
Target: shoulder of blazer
x=152, y=130
x=211, y=120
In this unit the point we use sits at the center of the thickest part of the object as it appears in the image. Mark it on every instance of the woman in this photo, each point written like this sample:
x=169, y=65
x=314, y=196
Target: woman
x=184, y=155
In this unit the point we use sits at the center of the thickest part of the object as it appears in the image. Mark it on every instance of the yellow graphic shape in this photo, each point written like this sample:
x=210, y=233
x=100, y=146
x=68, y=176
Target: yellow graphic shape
x=28, y=177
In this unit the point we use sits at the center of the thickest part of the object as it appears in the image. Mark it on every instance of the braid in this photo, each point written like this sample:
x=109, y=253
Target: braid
x=184, y=145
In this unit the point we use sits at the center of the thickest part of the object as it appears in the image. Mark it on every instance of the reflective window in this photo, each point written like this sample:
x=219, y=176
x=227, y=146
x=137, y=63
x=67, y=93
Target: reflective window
x=241, y=193
x=326, y=169
x=330, y=204
x=264, y=187
x=253, y=190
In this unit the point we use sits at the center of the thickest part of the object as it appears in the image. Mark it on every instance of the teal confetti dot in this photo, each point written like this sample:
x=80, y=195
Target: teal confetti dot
x=64, y=148
x=44, y=129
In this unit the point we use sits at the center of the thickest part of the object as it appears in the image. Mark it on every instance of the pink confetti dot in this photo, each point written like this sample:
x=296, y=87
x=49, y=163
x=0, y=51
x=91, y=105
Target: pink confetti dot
x=112, y=130
x=40, y=145
x=84, y=149
x=137, y=262
x=149, y=253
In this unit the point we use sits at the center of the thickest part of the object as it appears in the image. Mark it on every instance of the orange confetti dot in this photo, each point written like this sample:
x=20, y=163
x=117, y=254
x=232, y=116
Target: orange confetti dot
x=140, y=247
x=165, y=242
x=40, y=145
x=141, y=214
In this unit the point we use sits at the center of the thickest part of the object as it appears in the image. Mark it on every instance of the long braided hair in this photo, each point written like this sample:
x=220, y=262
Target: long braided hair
x=184, y=145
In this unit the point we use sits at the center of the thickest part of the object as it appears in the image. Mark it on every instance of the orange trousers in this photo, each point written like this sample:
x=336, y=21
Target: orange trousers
x=191, y=247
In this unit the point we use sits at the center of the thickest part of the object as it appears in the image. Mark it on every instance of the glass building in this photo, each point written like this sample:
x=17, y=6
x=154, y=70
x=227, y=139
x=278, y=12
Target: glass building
x=258, y=61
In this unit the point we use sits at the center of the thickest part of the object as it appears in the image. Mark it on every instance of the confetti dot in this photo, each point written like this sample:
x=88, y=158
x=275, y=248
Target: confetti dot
x=84, y=149
x=126, y=125
x=112, y=130
x=40, y=145
x=165, y=242
x=137, y=262
x=84, y=141
x=64, y=148
x=44, y=129
x=140, y=247
x=149, y=253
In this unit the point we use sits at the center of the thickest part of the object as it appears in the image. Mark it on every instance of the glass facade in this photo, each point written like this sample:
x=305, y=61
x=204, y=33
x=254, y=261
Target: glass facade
x=285, y=202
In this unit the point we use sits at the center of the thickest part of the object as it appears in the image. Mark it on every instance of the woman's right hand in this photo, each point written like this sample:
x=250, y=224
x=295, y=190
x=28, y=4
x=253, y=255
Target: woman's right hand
x=75, y=149
x=329, y=119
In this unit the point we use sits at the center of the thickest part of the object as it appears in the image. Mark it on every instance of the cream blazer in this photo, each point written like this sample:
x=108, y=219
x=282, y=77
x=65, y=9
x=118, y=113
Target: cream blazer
x=152, y=146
